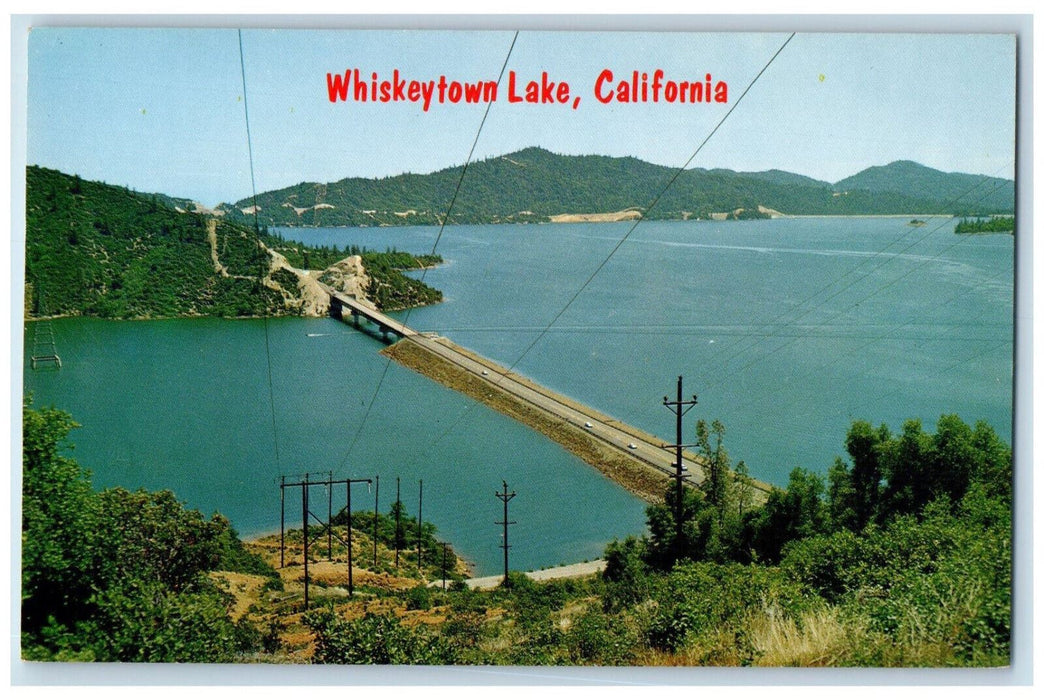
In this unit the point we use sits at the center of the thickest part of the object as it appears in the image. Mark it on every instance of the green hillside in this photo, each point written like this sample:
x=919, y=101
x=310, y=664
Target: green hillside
x=97, y=250
x=535, y=184
x=975, y=193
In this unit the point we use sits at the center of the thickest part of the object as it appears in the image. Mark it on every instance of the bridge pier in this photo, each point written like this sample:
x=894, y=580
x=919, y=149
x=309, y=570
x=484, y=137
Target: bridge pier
x=386, y=325
x=336, y=309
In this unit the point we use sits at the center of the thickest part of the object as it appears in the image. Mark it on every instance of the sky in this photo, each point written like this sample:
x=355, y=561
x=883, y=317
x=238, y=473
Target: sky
x=163, y=110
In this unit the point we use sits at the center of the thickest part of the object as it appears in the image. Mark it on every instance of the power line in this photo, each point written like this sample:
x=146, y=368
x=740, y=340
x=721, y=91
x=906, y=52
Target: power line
x=652, y=205
x=779, y=327
x=779, y=323
x=957, y=364
x=257, y=234
x=895, y=336
x=622, y=240
x=811, y=330
x=445, y=219
x=726, y=376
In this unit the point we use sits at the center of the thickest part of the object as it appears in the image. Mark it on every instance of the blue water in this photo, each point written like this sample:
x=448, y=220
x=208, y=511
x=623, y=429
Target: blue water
x=786, y=329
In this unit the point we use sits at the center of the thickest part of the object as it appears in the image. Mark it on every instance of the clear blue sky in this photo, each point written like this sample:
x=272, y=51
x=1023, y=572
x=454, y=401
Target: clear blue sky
x=161, y=110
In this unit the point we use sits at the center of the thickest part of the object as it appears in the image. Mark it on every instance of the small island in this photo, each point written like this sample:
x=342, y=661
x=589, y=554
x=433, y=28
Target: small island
x=993, y=224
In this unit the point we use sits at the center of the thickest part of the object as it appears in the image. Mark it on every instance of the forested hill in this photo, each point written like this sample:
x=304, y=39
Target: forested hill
x=977, y=193
x=93, y=249
x=534, y=184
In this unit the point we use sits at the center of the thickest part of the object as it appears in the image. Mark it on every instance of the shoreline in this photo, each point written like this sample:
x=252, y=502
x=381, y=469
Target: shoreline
x=591, y=219
x=183, y=317
x=868, y=216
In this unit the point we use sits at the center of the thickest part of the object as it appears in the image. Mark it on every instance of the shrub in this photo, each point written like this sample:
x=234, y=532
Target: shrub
x=597, y=638
x=418, y=598
x=116, y=575
x=373, y=639
x=706, y=599
x=626, y=574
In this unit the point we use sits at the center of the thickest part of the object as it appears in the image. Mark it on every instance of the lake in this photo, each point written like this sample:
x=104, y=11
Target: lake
x=786, y=329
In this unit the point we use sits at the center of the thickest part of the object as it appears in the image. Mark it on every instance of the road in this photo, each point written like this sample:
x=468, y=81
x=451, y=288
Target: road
x=369, y=313
x=628, y=440
x=636, y=444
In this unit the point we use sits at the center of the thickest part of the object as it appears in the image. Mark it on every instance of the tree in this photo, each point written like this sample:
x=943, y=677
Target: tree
x=626, y=574
x=791, y=514
x=56, y=521
x=900, y=475
x=117, y=575
x=953, y=458
x=141, y=619
x=993, y=466
x=864, y=445
x=716, y=463
x=841, y=497
x=151, y=536
x=744, y=488
x=670, y=541
x=908, y=470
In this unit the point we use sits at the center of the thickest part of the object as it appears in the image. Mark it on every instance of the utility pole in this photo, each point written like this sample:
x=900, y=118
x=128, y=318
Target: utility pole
x=505, y=497
x=443, y=566
x=329, y=516
x=420, y=526
x=348, y=487
x=305, y=484
x=376, y=504
x=282, y=520
x=398, y=531
x=304, y=535
x=679, y=408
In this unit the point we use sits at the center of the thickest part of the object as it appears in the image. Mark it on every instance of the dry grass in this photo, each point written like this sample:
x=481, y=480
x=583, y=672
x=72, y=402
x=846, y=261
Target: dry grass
x=245, y=588
x=817, y=638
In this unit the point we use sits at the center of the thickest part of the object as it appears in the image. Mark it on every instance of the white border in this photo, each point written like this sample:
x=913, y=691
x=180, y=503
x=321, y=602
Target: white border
x=1021, y=672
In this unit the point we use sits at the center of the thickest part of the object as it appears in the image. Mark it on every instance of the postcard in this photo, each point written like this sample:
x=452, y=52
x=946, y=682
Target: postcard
x=518, y=347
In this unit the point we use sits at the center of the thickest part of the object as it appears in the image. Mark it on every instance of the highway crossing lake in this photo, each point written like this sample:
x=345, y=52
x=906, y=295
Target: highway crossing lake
x=786, y=329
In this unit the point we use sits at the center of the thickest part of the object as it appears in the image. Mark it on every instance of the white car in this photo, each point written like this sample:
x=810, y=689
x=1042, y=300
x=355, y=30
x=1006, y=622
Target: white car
x=588, y=426
x=632, y=446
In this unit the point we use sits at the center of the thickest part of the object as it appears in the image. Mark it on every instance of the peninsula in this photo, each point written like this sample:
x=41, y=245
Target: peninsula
x=93, y=249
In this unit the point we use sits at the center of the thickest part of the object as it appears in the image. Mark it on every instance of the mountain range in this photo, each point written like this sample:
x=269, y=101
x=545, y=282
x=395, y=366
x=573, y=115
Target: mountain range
x=533, y=185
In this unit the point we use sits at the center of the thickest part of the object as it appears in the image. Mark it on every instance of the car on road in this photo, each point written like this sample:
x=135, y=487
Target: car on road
x=588, y=425
x=632, y=446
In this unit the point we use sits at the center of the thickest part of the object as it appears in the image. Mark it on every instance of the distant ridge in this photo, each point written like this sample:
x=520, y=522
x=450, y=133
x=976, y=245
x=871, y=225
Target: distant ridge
x=975, y=191
x=533, y=185
x=778, y=177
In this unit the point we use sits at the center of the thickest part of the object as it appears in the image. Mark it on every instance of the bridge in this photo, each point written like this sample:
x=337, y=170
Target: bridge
x=627, y=440
x=339, y=302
